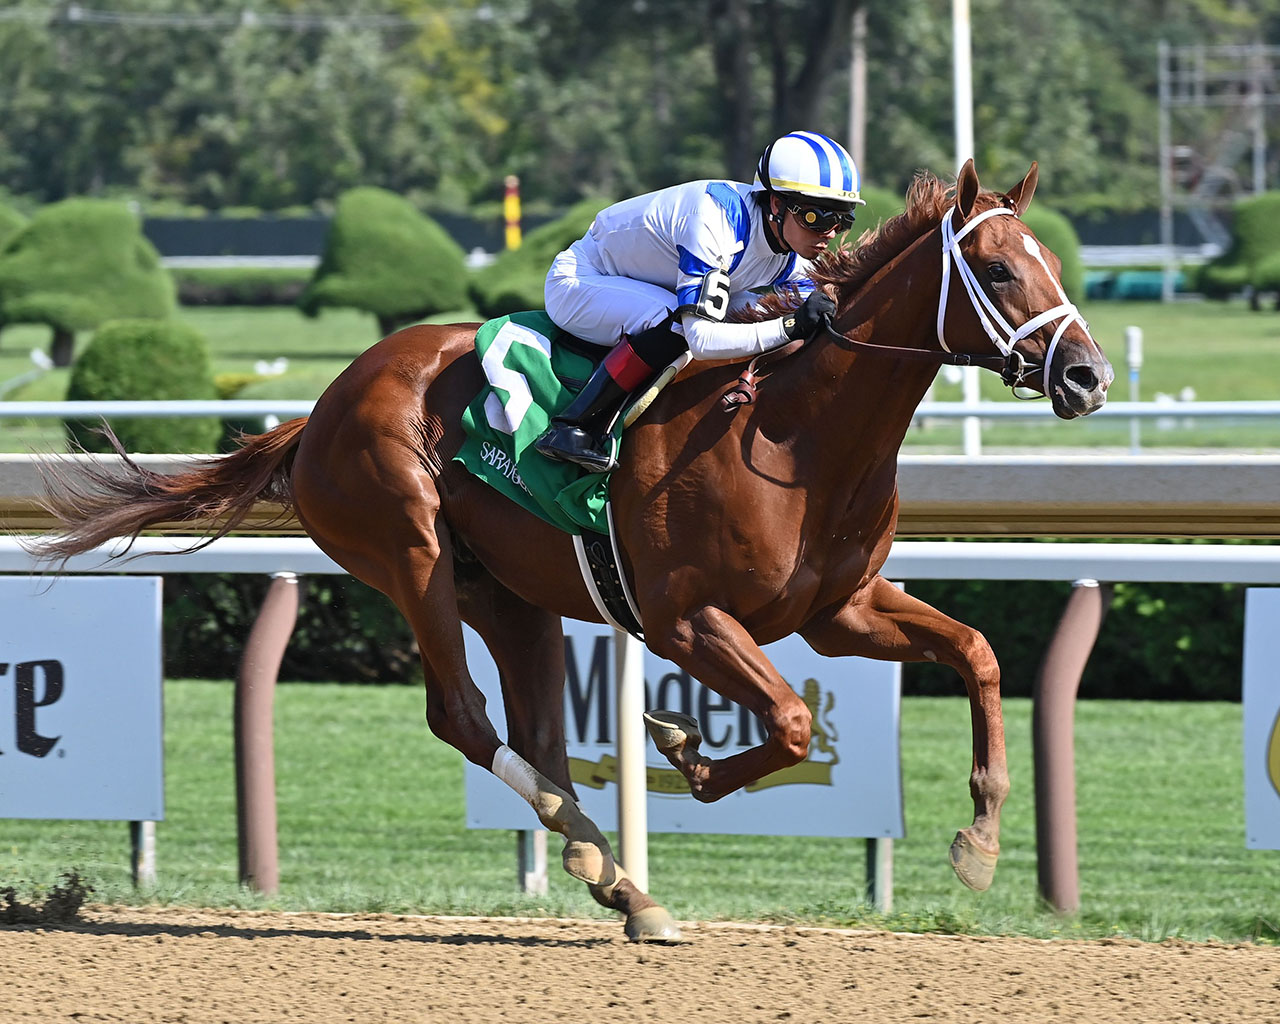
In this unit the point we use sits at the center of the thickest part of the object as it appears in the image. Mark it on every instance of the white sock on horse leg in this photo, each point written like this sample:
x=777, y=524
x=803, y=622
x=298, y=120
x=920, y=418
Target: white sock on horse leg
x=517, y=773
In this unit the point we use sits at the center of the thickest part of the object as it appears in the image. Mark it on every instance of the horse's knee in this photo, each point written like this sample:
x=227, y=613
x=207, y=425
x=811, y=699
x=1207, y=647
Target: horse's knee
x=463, y=726
x=976, y=653
x=791, y=728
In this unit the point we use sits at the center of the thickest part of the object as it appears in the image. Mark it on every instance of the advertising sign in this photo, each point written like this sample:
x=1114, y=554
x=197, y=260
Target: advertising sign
x=1262, y=718
x=850, y=784
x=80, y=698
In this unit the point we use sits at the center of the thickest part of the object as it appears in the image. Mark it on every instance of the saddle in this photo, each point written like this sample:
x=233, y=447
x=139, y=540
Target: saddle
x=532, y=370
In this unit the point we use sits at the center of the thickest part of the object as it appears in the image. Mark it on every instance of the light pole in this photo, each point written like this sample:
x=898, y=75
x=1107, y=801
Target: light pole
x=962, y=91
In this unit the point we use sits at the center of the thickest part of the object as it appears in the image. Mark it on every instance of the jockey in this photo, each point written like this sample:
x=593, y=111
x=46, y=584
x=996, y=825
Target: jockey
x=665, y=269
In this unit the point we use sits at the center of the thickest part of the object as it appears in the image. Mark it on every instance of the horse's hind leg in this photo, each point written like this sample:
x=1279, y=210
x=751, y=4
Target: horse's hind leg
x=885, y=623
x=379, y=518
x=527, y=644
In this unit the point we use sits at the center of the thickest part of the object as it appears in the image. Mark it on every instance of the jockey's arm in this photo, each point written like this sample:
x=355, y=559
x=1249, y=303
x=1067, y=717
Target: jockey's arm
x=708, y=339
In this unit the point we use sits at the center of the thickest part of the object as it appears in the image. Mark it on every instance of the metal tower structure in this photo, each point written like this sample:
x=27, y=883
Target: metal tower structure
x=1213, y=138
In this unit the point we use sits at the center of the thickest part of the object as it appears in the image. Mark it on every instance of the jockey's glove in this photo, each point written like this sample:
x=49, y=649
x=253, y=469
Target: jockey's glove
x=814, y=313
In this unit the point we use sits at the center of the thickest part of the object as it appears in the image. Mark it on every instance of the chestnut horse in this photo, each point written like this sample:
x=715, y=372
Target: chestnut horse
x=738, y=527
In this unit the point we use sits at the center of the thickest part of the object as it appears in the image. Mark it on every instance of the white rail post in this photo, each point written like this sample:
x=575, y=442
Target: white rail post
x=633, y=811
x=142, y=859
x=531, y=860
x=880, y=873
x=1133, y=356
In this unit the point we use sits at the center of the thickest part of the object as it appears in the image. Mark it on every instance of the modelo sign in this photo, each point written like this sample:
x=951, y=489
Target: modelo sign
x=850, y=784
x=80, y=698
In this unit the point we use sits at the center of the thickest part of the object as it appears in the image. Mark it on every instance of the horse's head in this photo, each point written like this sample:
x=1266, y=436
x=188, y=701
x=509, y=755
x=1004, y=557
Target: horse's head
x=1002, y=287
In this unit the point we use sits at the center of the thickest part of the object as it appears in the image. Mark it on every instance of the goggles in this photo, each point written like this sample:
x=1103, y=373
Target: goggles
x=820, y=219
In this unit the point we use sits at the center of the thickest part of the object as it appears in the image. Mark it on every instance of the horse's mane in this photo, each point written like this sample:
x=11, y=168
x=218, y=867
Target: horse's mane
x=928, y=198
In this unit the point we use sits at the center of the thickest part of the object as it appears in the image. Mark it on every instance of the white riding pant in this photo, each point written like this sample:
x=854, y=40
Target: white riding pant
x=599, y=307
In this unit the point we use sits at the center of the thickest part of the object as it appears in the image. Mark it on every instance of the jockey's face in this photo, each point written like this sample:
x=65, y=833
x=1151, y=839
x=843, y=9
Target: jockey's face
x=805, y=242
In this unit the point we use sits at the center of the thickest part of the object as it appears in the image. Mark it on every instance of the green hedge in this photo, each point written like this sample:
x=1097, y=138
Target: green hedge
x=1253, y=259
x=1221, y=280
x=1162, y=641
x=345, y=631
x=516, y=279
x=1158, y=641
x=240, y=286
x=384, y=257
x=145, y=359
x=80, y=263
x=11, y=221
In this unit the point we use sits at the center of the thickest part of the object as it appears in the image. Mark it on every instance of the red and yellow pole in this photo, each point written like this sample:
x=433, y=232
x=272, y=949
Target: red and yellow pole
x=511, y=210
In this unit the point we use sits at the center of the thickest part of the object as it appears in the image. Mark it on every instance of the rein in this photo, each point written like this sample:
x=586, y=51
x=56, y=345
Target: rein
x=1008, y=362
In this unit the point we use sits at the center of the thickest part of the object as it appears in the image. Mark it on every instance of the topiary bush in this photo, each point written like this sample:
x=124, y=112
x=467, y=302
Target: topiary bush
x=11, y=222
x=78, y=264
x=515, y=280
x=1217, y=280
x=384, y=257
x=1056, y=233
x=145, y=359
x=1265, y=276
x=1255, y=229
x=1250, y=261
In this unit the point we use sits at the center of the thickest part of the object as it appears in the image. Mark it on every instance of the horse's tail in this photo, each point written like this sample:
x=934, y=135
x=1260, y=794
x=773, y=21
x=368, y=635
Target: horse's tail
x=95, y=503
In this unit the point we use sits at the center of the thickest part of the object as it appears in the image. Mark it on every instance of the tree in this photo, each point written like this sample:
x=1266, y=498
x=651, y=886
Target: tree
x=386, y=258
x=77, y=264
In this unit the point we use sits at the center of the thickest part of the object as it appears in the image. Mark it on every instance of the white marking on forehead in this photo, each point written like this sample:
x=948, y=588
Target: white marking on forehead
x=1033, y=250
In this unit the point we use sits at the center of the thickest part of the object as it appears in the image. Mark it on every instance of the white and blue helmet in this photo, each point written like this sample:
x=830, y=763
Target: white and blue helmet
x=812, y=165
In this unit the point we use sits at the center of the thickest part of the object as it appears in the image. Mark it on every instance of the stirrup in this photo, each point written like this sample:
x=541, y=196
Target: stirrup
x=564, y=442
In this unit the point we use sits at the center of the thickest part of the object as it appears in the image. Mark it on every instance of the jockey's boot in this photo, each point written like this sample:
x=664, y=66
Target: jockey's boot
x=580, y=433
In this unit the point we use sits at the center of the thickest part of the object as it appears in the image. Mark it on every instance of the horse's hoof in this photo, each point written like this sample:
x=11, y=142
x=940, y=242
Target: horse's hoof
x=653, y=924
x=672, y=732
x=974, y=865
x=588, y=862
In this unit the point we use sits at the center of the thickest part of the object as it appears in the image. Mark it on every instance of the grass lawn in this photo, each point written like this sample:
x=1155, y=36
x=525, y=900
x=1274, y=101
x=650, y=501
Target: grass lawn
x=371, y=819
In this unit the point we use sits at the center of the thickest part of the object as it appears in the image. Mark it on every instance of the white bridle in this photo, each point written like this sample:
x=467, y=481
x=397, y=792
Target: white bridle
x=1006, y=337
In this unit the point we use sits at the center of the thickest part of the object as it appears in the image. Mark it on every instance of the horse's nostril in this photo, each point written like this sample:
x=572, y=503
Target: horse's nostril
x=1082, y=376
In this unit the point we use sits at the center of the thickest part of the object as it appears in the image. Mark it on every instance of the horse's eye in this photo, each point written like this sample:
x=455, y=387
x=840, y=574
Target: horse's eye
x=998, y=272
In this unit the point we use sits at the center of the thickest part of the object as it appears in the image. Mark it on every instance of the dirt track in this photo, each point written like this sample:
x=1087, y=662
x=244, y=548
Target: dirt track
x=245, y=967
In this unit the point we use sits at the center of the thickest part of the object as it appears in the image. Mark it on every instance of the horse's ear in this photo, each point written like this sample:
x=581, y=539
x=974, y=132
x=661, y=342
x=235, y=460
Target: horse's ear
x=1021, y=193
x=967, y=189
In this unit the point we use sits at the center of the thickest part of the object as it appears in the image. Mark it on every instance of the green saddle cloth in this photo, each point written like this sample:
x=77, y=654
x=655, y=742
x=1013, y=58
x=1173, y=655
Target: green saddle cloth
x=525, y=390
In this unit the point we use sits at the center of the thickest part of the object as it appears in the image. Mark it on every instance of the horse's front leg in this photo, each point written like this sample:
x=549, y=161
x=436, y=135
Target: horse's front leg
x=715, y=649
x=883, y=622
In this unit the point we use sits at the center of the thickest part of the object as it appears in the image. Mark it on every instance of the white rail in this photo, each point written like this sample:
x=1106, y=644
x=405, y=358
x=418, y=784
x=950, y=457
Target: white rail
x=222, y=408
x=1257, y=564
x=232, y=408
